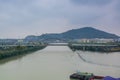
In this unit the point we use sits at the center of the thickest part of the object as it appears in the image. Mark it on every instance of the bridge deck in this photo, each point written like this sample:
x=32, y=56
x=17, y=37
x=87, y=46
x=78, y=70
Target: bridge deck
x=58, y=44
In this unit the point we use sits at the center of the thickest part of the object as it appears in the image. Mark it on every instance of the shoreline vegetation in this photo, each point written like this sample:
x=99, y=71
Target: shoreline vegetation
x=18, y=50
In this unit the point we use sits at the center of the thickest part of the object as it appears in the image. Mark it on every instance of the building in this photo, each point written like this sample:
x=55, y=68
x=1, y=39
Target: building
x=96, y=40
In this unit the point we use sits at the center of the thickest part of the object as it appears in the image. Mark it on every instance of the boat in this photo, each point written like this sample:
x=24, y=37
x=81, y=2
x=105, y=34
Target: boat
x=85, y=76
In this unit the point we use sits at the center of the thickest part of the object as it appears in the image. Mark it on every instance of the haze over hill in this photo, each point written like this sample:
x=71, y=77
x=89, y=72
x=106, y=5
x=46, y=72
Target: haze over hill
x=86, y=32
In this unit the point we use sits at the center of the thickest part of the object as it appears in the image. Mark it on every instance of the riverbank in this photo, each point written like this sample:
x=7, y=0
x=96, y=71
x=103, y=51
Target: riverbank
x=95, y=47
x=18, y=50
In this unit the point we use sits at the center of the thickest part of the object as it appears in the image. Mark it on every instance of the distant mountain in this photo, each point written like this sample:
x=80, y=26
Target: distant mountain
x=31, y=38
x=86, y=32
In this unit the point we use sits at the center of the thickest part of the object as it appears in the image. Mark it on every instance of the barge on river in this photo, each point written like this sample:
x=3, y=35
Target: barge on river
x=89, y=76
x=85, y=76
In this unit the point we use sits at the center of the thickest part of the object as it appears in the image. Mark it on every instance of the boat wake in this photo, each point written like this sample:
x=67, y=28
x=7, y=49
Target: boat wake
x=91, y=62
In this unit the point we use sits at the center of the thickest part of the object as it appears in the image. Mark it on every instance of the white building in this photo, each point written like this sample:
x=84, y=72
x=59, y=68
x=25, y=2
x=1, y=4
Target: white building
x=96, y=40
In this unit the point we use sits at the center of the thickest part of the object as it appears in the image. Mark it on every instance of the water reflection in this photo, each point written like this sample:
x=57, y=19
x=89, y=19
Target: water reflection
x=4, y=61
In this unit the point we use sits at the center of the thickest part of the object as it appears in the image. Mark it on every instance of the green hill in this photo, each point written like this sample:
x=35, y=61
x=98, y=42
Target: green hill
x=86, y=32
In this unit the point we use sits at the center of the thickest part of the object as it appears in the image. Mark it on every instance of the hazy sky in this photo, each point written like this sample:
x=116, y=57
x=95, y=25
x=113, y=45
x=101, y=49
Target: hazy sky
x=19, y=18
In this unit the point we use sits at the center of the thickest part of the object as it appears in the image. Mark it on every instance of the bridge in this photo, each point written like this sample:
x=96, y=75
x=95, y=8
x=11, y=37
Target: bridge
x=66, y=44
x=81, y=45
x=58, y=44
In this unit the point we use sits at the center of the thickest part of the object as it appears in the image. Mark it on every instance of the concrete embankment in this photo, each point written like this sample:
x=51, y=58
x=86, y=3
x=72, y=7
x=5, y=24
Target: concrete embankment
x=94, y=47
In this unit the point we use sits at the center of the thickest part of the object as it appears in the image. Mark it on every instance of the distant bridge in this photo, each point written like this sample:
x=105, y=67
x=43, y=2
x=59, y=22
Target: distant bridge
x=58, y=44
x=82, y=45
x=66, y=44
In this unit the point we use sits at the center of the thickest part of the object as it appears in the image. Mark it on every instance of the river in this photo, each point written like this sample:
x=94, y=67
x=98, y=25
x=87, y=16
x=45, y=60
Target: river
x=57, y=63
